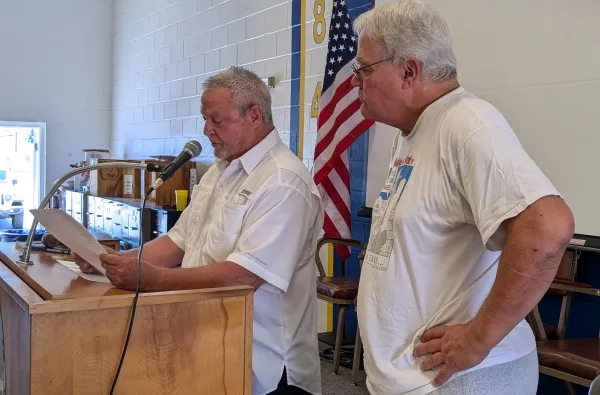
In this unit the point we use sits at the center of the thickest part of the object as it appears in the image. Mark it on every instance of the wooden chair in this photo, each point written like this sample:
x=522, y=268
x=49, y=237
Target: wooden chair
x=341, y=291
x=572, y=360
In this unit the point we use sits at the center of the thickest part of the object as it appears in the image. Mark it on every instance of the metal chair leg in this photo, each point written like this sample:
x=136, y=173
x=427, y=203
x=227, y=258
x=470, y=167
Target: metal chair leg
x=570, y=388
x=339, y=338
x=356, y=358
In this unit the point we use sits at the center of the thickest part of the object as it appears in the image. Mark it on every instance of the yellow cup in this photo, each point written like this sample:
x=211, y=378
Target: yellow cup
x=181, y=197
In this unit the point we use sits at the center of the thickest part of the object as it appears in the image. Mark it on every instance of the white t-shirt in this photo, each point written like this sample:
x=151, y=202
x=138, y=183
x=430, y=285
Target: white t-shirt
x=263, y=212
x=436, y=236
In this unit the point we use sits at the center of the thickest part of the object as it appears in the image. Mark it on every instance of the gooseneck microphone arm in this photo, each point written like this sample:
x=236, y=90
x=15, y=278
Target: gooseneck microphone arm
x=24, y=258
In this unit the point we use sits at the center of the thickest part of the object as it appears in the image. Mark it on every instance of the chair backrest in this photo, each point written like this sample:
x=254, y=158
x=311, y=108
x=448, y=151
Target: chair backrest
x=567, y=267
x=334, y=241
x=564, y=285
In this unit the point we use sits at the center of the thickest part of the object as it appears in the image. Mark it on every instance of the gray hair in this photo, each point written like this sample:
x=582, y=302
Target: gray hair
x=247, y=89
x=410, y=28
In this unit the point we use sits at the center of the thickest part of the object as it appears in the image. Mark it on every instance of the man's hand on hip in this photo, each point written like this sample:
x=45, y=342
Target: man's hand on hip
x=454, y=348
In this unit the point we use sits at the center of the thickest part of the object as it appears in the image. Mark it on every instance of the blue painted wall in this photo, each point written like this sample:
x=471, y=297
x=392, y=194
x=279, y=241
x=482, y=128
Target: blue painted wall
x=295, y=77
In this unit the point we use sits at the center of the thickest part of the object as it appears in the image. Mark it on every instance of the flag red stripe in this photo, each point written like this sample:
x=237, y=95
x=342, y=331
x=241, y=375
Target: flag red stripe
x=328, y=108
x=344, y=115
x=343, y=172
x=341, y=147
x=338, y=202
x=331, y=231
x=329, y=228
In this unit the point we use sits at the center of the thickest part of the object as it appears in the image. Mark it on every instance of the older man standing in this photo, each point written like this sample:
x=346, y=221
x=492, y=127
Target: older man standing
x=467, y=232
x=254, y=219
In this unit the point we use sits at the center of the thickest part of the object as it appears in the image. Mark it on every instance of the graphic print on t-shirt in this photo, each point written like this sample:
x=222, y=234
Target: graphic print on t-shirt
x=382, y=230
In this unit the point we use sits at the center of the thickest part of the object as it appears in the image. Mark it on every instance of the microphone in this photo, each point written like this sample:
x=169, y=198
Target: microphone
x=191, y=150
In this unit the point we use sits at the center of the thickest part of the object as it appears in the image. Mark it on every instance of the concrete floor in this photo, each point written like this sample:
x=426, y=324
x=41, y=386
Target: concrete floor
x=340, y=384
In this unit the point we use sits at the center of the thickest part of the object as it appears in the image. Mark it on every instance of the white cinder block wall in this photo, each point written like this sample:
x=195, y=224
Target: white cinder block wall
x=56, y=68
x=317, y=39
x=165, y=49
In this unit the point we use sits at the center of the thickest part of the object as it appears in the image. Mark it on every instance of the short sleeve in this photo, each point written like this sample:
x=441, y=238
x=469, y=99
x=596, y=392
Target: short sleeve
x=274, y=234
x=499, y=180
x=178, y=231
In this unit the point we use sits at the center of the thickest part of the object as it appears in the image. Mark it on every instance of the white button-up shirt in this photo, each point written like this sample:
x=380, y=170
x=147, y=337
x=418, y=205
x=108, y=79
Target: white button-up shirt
x=263, y=212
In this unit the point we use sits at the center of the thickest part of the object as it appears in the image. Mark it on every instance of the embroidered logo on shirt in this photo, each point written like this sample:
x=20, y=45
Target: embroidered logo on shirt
x=256, y=259
x=242, y=197
x=246, y=193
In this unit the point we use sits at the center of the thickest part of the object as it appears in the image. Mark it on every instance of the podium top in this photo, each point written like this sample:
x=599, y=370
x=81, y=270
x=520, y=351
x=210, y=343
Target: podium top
x=49, y=287
x=52, y=280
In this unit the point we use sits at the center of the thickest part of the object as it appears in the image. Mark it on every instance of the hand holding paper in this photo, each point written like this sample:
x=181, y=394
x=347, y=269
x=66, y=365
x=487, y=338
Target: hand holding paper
x=90, y=277
x=72, y=234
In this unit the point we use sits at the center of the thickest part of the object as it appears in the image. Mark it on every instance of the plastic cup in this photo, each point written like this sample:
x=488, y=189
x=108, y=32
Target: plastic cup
x=181, y=196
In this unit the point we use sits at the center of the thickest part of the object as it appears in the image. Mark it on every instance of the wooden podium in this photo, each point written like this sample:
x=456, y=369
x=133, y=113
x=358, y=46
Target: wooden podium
x=64, y=335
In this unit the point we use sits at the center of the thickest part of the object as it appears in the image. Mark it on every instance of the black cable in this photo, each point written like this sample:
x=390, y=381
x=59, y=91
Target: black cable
x=137, y=292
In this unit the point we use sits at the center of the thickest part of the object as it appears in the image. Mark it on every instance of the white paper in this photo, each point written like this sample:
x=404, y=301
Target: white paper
x=72, y=234
x=577, y=242
x=99, y=278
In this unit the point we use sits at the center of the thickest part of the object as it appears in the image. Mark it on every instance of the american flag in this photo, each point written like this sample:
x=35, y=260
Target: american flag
x=339, y=124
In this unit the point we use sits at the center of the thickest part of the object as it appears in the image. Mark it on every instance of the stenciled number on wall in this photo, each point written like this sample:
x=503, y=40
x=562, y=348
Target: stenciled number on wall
x=316, y=101
x=319, y=29
x=320, y=23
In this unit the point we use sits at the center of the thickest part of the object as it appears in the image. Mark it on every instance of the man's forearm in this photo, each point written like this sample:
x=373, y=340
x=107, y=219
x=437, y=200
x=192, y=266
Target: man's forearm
x=527, y=267
x=521, y=281
x=211, y=276
x=161, y=252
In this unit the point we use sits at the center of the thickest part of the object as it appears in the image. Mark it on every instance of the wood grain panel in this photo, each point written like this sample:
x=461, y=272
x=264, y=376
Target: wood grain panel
x=106, y=182
x=17, y=289
x=249, y=338
x=16, y=329
x=165, y=195
x=15, y=299
x=197, y=347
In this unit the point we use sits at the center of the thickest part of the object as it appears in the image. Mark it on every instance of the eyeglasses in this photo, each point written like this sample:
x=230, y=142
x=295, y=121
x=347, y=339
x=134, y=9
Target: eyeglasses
x=356, y=67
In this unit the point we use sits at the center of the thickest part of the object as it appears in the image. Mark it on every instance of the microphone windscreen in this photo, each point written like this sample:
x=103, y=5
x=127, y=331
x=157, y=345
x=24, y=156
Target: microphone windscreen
x=50, y=241
x=194, y=147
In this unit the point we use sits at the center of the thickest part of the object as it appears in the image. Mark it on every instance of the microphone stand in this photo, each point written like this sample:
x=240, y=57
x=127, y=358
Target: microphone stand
x=24, y=258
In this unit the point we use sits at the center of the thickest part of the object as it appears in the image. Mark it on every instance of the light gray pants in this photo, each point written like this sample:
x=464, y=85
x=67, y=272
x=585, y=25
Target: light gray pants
x=519, y=377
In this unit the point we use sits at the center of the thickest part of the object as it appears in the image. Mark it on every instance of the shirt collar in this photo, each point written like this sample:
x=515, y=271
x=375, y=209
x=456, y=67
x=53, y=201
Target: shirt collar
x=435, y=105
x=253, y=157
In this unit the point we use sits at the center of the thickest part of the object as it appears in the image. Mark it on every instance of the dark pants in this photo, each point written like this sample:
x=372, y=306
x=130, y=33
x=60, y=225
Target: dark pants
x=283, y=388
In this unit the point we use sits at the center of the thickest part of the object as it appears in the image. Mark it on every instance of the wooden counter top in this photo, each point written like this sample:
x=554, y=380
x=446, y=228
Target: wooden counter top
x=50, y=279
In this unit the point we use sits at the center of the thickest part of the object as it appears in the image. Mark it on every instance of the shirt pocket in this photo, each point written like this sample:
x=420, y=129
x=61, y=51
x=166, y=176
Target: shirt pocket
x=229, y=217
x=224, y=231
